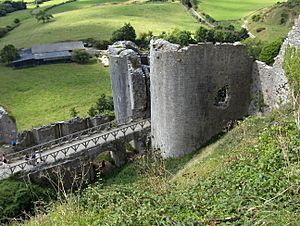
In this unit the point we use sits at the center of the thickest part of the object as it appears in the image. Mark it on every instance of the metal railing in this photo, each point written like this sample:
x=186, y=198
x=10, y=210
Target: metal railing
x=62, y=140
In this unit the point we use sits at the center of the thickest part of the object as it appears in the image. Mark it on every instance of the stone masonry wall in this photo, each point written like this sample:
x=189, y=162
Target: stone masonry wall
x=270, y=87
x=195, y=92
x=44, y=134
x=8, y=128
x=130, y=81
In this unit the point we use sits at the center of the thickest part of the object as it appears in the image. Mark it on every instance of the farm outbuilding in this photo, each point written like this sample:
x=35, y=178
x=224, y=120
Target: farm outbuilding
x=49, y=53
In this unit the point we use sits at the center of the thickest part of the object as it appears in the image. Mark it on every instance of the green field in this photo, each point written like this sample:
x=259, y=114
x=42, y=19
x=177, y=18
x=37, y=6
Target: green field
x=45, y=94
x=100, y=22
x=232, y=9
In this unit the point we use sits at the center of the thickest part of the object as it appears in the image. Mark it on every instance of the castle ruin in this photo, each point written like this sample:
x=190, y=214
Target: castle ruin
x=195, y=91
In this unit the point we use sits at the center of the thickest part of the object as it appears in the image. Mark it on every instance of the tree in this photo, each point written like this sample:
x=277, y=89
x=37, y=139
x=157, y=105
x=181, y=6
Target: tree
x=41, y=15
x=201, y=34
x=183, y=38
x=8, y=54
x=80, y=56
x=126, y=32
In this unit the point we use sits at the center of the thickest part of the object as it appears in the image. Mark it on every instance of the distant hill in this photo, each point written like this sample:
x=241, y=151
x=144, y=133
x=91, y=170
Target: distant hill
x=274, y=22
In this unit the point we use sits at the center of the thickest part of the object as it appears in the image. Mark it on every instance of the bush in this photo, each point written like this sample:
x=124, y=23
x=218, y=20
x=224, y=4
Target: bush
x=104, y=106
x=8, y=54
x=254, y=47
x=16, y=21
x=80, y=56
x=270, y=51
x=10, y=6
x=126, y=32
x=3, y=31
x=260, y=29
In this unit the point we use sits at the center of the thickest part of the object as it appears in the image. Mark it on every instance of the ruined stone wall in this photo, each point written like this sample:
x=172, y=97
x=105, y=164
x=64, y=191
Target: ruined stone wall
x=8, y=128
x=270, y=87
x=130, y=81
x=195, y=92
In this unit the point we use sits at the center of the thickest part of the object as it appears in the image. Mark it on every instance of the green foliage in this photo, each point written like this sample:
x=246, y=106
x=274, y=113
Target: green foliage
x=270, y=51
x=42, y=15
x=80, y=56
x=183, y=38
x=98, y=44
x=11, y=6
x=8, y=54
x=104, y=106
x=18, y=198
x=254, y=47
x=291, y=67
x=220, y=34
x=73, y=112
x=143, y=41
x=126, y=32
x=16, y=21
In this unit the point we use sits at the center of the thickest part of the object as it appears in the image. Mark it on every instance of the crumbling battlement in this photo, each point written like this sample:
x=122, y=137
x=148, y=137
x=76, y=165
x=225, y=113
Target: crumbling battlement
x=129, y=72
x=195, y=92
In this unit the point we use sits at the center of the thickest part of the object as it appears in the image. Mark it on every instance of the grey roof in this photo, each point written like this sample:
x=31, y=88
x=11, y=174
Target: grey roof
x=53, y=55
x=57, y=47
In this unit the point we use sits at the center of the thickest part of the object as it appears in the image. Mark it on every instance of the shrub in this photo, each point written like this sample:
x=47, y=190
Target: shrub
x=104, y=106
x=126, y=32
x=80, y=56
x=254, y=47
x=18, y=197
x=43, y=16
x=8, y=54
x=16, y=21
x=270, y=51
x=3, y=31
x=260, y=29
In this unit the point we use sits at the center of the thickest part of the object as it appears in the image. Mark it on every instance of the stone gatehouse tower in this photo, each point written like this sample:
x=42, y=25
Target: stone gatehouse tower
x=195, y=92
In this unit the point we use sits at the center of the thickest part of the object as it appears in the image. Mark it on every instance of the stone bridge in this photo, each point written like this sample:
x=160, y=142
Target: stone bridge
x=77, y=150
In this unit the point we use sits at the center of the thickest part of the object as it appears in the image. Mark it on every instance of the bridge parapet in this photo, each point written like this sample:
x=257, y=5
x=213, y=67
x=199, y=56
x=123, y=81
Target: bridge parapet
x=54, y=154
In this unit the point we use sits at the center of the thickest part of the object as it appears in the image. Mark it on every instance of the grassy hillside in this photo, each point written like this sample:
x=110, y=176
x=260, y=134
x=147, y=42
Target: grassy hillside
x=100, y=22
x=274, y=22
x=45, y=94
x=250, y=176
x=232, y=9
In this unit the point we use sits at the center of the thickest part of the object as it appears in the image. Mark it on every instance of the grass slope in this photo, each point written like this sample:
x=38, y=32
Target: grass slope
x=232, y=9
x=249, y=177
x=100, y=22
x=45, y=94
